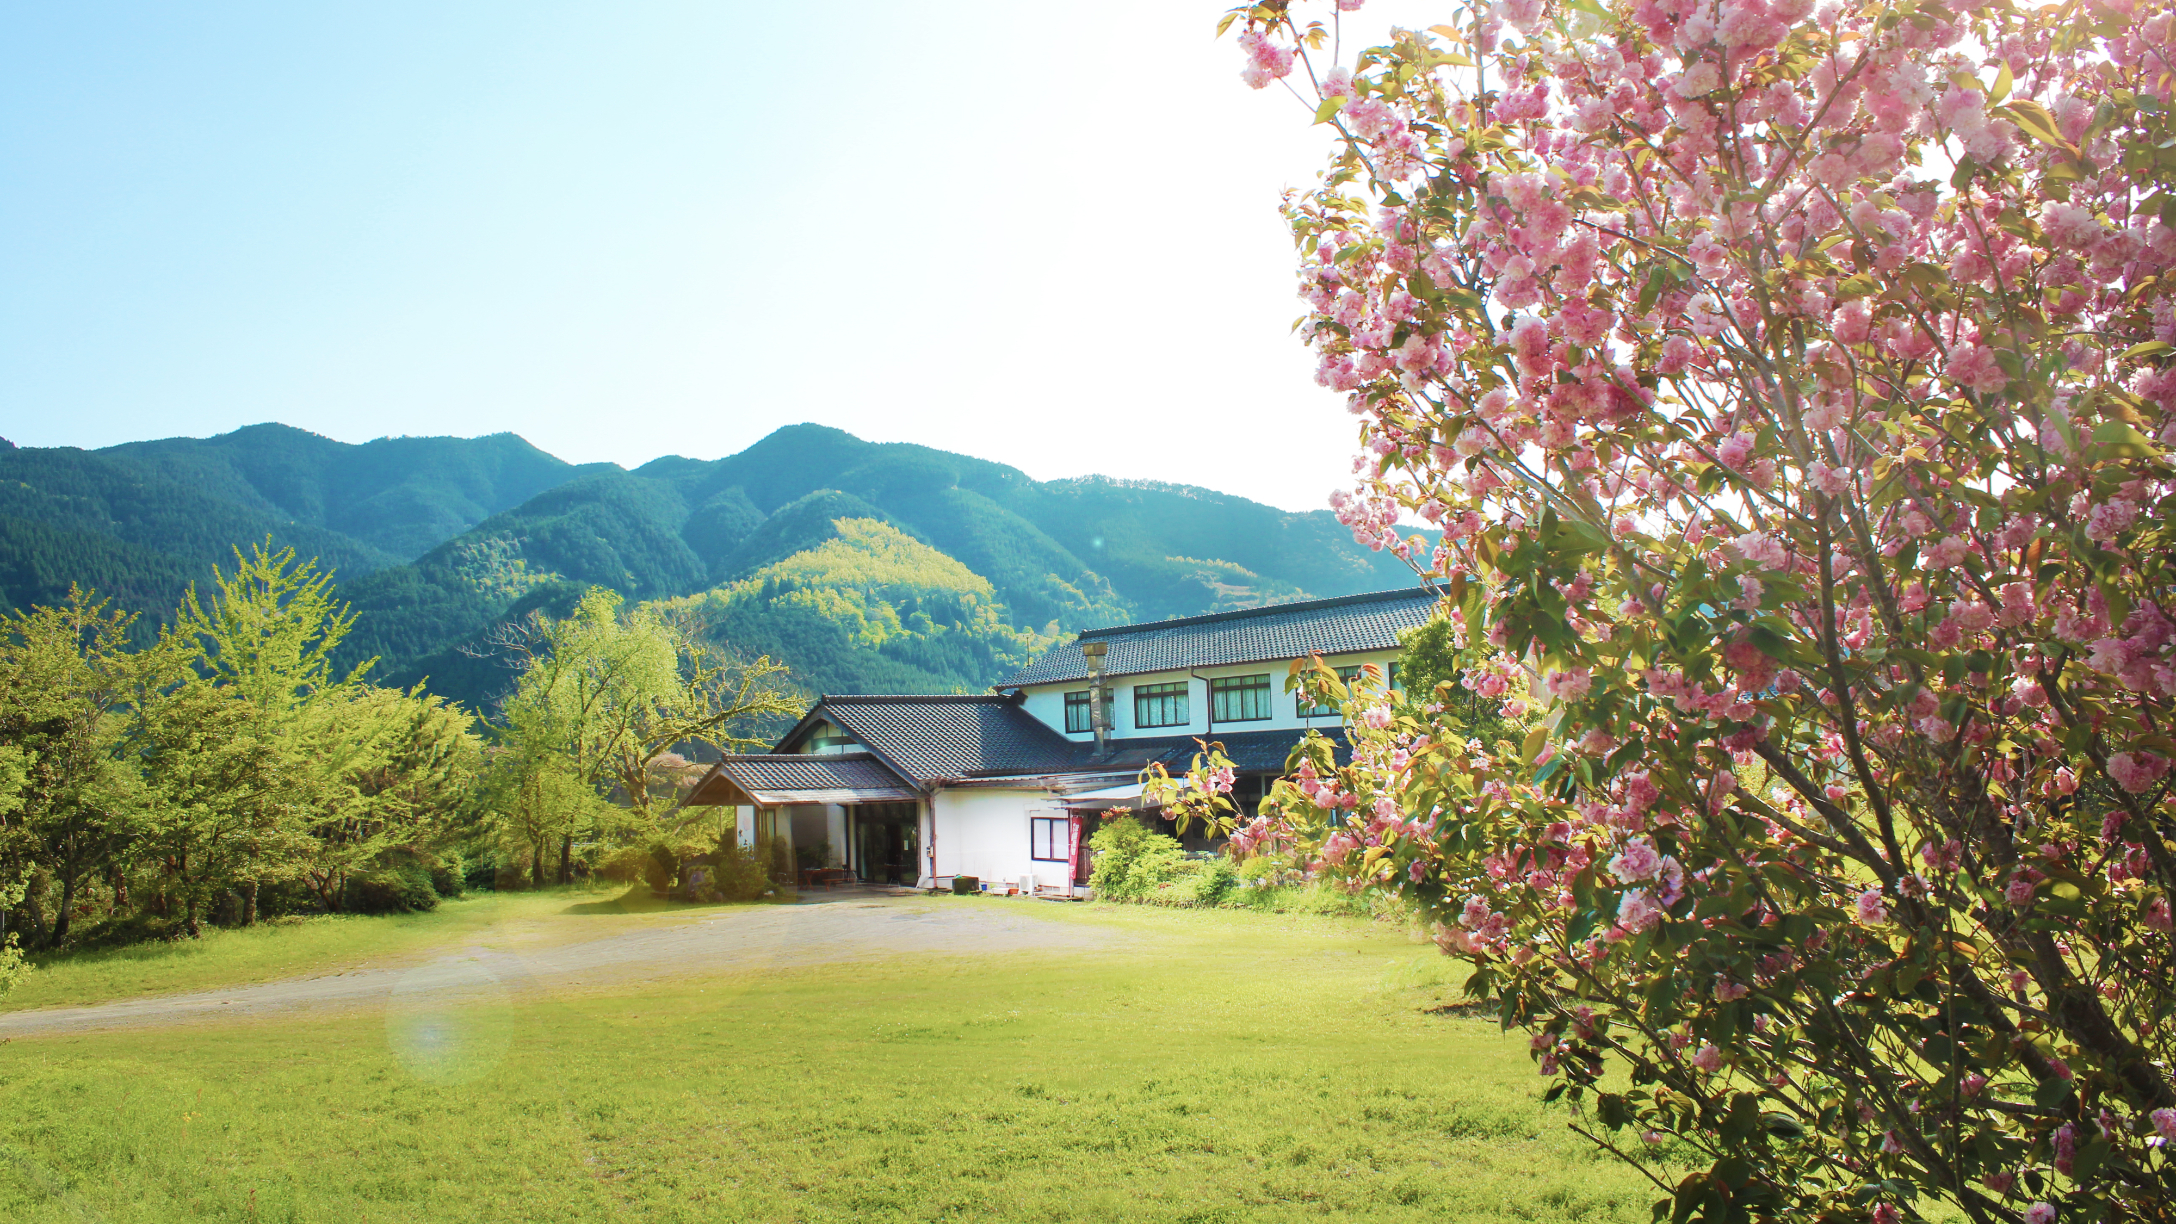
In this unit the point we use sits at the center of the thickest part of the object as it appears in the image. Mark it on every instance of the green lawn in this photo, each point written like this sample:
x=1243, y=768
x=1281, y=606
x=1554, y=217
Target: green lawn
x=1213, y=1066
x=299, y=947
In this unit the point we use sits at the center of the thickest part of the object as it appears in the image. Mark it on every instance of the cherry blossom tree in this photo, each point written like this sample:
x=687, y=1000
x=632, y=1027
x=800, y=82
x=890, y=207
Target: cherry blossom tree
x=1791, y=392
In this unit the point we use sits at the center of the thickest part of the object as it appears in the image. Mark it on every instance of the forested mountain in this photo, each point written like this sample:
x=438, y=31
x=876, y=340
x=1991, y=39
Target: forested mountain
x=142, y=520
x=870, y=566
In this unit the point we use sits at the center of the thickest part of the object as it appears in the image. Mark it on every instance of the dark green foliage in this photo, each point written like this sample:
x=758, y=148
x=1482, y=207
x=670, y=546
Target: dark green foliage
x=1429, y=667
x=400, y=890
x=69, y=515
x=400, y=495
x=718, y=526
x=449, y=875
x=800, y=525
x=38, y=561
x=1143, y=533
x=963, y=885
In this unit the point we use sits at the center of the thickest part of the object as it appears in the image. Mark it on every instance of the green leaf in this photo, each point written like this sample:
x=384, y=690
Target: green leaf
x=2150, y=348
x=1532, y=747
x=2037, y=123
x=1329, y=107
x=2119, y=439
x=2001, y=88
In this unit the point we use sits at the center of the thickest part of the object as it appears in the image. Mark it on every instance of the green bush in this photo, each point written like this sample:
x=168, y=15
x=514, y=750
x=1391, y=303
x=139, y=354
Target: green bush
x=963, y=885
x=1130, y=859
x=405, y=889
x=626, y=865
x=449, y=876
x=736, y=874
x=662, y=869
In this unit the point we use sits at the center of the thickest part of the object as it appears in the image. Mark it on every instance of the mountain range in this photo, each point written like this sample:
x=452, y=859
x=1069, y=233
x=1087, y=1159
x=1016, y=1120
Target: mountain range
x=863, y=566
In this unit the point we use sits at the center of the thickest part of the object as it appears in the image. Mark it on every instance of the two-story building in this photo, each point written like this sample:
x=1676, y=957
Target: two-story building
x=1004, y=786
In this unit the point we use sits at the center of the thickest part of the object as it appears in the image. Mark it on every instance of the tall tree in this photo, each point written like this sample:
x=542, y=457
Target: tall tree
x=607, y=691
x=70, y=692
x=265, y=638
x=1796, y=396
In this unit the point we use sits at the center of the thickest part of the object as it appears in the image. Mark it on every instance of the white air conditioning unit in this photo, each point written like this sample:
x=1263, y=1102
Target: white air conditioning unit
x=1027, y=885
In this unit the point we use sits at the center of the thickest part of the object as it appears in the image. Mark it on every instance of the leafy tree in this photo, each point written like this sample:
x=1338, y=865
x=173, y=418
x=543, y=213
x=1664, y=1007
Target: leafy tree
x=1796, y=401
x=1432, y=673
x=265, y=639
x=70, y=689
x=220, y=812
x=400, y=767
x=604, y=694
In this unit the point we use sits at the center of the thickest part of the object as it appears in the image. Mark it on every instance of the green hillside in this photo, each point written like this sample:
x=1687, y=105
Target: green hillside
x=864, y=566
x=140, y=521
x=870, y=609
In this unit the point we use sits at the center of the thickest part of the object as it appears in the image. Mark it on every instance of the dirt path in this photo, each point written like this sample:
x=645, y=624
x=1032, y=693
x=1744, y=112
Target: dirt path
x=734, y=940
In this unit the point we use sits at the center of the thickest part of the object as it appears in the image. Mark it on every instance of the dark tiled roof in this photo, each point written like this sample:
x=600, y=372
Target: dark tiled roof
x=930, y=739
x=1344, y=625
x=933, y=740
x=846, y=777
x=1251, y=752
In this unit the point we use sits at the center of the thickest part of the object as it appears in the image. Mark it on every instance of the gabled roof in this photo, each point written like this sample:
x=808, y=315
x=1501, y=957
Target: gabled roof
x=770, y=778
x=1251, y=752
x=935, y=739
x=1345, y=625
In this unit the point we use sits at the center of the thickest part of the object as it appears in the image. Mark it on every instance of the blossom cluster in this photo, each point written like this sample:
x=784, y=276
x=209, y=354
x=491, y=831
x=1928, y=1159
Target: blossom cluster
x=1790, y=394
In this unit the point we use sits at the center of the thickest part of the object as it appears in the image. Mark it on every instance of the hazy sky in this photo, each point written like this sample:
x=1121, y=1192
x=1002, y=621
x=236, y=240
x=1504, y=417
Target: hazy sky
x=1039, y=233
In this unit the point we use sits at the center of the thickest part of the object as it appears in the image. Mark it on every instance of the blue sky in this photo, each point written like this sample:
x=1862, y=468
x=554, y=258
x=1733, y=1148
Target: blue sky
x=1038, y=233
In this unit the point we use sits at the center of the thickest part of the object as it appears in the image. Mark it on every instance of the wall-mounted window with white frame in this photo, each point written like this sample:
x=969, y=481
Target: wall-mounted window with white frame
x=1305, y=709
x=1160, y=705
x=1076, y=711
x=1239, y=698
x=1050, y=839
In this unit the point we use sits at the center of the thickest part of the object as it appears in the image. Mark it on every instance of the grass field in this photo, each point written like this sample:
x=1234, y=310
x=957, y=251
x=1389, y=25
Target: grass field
x=1205, y=1066
x=302, y=946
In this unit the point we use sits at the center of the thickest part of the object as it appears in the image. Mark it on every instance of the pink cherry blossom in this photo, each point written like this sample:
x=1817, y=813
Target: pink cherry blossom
x=2137, y=772
x=1871, y=909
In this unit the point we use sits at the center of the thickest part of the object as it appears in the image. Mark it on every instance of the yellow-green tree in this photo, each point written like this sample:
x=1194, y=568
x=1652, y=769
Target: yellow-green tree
x=607, y=691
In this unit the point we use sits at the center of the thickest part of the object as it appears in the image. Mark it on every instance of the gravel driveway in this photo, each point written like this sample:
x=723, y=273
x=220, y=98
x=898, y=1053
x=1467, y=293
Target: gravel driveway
x=734, y=939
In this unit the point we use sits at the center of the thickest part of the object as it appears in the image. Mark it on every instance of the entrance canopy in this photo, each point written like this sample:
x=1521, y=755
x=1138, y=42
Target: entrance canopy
x=778, y=779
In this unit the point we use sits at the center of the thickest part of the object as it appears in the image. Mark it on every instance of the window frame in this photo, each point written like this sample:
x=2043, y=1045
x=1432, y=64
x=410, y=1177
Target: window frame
x=1086, y=705
x=1040, y=840
x=1255, y=686
x=1173, y=695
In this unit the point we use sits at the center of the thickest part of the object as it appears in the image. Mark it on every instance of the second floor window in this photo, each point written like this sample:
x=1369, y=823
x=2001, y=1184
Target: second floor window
x=1346, y=675
x=1077, y=717
x=1239, y=698
x=1160, y=705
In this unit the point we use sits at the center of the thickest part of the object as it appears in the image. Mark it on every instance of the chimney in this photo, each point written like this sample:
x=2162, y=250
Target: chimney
x=1094, y=652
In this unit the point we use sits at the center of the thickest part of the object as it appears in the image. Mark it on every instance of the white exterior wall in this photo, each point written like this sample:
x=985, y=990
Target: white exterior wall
x=984, y=833
x=1047, y=702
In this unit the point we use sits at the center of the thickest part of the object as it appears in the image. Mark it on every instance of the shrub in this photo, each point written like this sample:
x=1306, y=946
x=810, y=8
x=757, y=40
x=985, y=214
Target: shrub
x=404, y=889
x=963, y=885
x=661, y=868
x=738, y=875
x=626, y=864
x=481, y=873
x=450, y=876
x=1131, y=859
